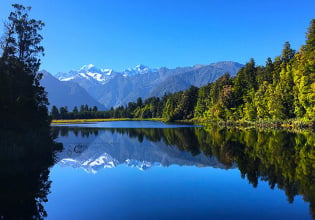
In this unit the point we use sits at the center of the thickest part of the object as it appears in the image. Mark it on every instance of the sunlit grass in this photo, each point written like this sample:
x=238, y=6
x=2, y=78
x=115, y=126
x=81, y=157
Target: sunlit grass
x=75, y=121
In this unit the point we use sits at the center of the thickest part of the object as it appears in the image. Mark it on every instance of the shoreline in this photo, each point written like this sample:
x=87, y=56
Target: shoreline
x=74, y=121
x=292, y=124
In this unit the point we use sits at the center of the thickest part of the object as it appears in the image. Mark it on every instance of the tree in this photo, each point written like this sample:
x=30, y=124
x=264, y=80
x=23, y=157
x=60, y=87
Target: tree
x=139, y=102
x=244, y=82
x=285, y=84
x=304, y=77
x=264, y=73
x=22, y=100
x=202, y=101
x=170, y=110
x=186, y=105
x=75, y=110
x=86, y=108
x=261, y=101
x=310, y=38
x=82, y=108
x=287, y=53
x=55, y=112
x=22, y=38
x=63, y=112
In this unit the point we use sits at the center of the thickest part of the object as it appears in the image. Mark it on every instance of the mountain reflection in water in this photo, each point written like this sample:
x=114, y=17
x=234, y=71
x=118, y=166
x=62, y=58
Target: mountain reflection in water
x=283, y=159
x=93, y=149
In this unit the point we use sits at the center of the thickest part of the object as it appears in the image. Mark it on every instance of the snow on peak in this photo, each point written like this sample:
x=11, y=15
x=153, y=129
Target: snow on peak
x=86, y=67
x=90, y=68
x=88, y=72
x=138, y=69
x=91, y=72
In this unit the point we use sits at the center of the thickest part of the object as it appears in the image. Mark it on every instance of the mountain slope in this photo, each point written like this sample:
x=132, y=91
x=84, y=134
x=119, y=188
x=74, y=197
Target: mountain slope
x=113, y=89
x=66, y=93
x=198, y=76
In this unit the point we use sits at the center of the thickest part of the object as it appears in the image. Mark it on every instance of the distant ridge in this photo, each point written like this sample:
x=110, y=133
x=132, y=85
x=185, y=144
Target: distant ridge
x=68, y=94
x=112, y=89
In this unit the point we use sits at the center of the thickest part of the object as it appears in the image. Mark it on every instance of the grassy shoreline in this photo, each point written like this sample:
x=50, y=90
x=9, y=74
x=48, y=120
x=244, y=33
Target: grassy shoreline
x=74, y=121
x=275, y=124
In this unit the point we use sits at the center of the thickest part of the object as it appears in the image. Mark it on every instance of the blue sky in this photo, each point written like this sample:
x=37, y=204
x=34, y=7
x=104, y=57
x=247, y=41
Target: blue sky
x=123, y=33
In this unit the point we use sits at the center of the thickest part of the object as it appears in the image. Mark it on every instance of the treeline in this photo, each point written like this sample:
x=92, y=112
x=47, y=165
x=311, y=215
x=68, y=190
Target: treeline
x=132, y=110
x=84, y=112
x=284, y=88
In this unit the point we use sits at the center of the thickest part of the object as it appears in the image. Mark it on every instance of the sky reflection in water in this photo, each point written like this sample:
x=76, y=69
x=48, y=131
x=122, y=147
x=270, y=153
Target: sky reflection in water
x=180, y=181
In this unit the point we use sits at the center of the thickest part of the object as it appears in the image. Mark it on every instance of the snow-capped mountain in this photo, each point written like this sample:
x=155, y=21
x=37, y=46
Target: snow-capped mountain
x=93, y=73
x=112, y=88
x=66, y=93
x=139, y=69
x=89, y=72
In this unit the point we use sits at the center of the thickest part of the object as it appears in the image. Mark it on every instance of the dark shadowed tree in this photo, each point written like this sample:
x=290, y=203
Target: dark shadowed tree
x=23, y=101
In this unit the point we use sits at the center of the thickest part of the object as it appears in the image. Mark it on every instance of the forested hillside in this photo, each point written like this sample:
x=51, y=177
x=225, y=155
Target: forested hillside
x=284, y=88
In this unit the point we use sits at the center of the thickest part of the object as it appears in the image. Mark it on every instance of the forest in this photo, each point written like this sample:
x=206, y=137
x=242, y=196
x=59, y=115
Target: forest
x=281, y=90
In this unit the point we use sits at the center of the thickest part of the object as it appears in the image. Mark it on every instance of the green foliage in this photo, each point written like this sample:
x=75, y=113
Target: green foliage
x=304, y=77
x=23, y=102
x=26, y=142
x=283, y=89
x=203, y=101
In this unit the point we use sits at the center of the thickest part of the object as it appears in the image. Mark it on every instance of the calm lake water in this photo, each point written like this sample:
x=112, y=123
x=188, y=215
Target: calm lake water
x=152, y=170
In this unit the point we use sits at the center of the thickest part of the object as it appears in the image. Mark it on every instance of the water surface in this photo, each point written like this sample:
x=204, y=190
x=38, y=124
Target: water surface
x=128, y=124
x=152, y=170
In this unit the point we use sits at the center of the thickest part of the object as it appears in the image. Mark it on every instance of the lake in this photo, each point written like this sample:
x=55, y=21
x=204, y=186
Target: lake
x=153, y=170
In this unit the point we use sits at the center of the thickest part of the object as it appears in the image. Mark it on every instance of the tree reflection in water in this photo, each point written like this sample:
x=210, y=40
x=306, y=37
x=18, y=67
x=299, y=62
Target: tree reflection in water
x=282, y=158
x=25, y=159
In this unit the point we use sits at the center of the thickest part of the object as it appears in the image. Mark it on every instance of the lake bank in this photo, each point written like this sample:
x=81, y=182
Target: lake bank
x=74, y=121
x=292, y=124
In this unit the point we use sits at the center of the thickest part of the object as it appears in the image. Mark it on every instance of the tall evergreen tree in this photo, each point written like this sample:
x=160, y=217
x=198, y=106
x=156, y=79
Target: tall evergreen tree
x=245, y=81
x=23, y=101
x=304, y=77
x=287, y=53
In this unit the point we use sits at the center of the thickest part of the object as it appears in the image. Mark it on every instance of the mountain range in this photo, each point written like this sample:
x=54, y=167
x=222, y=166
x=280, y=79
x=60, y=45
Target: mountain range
x=106, y=88
x=68, y=94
